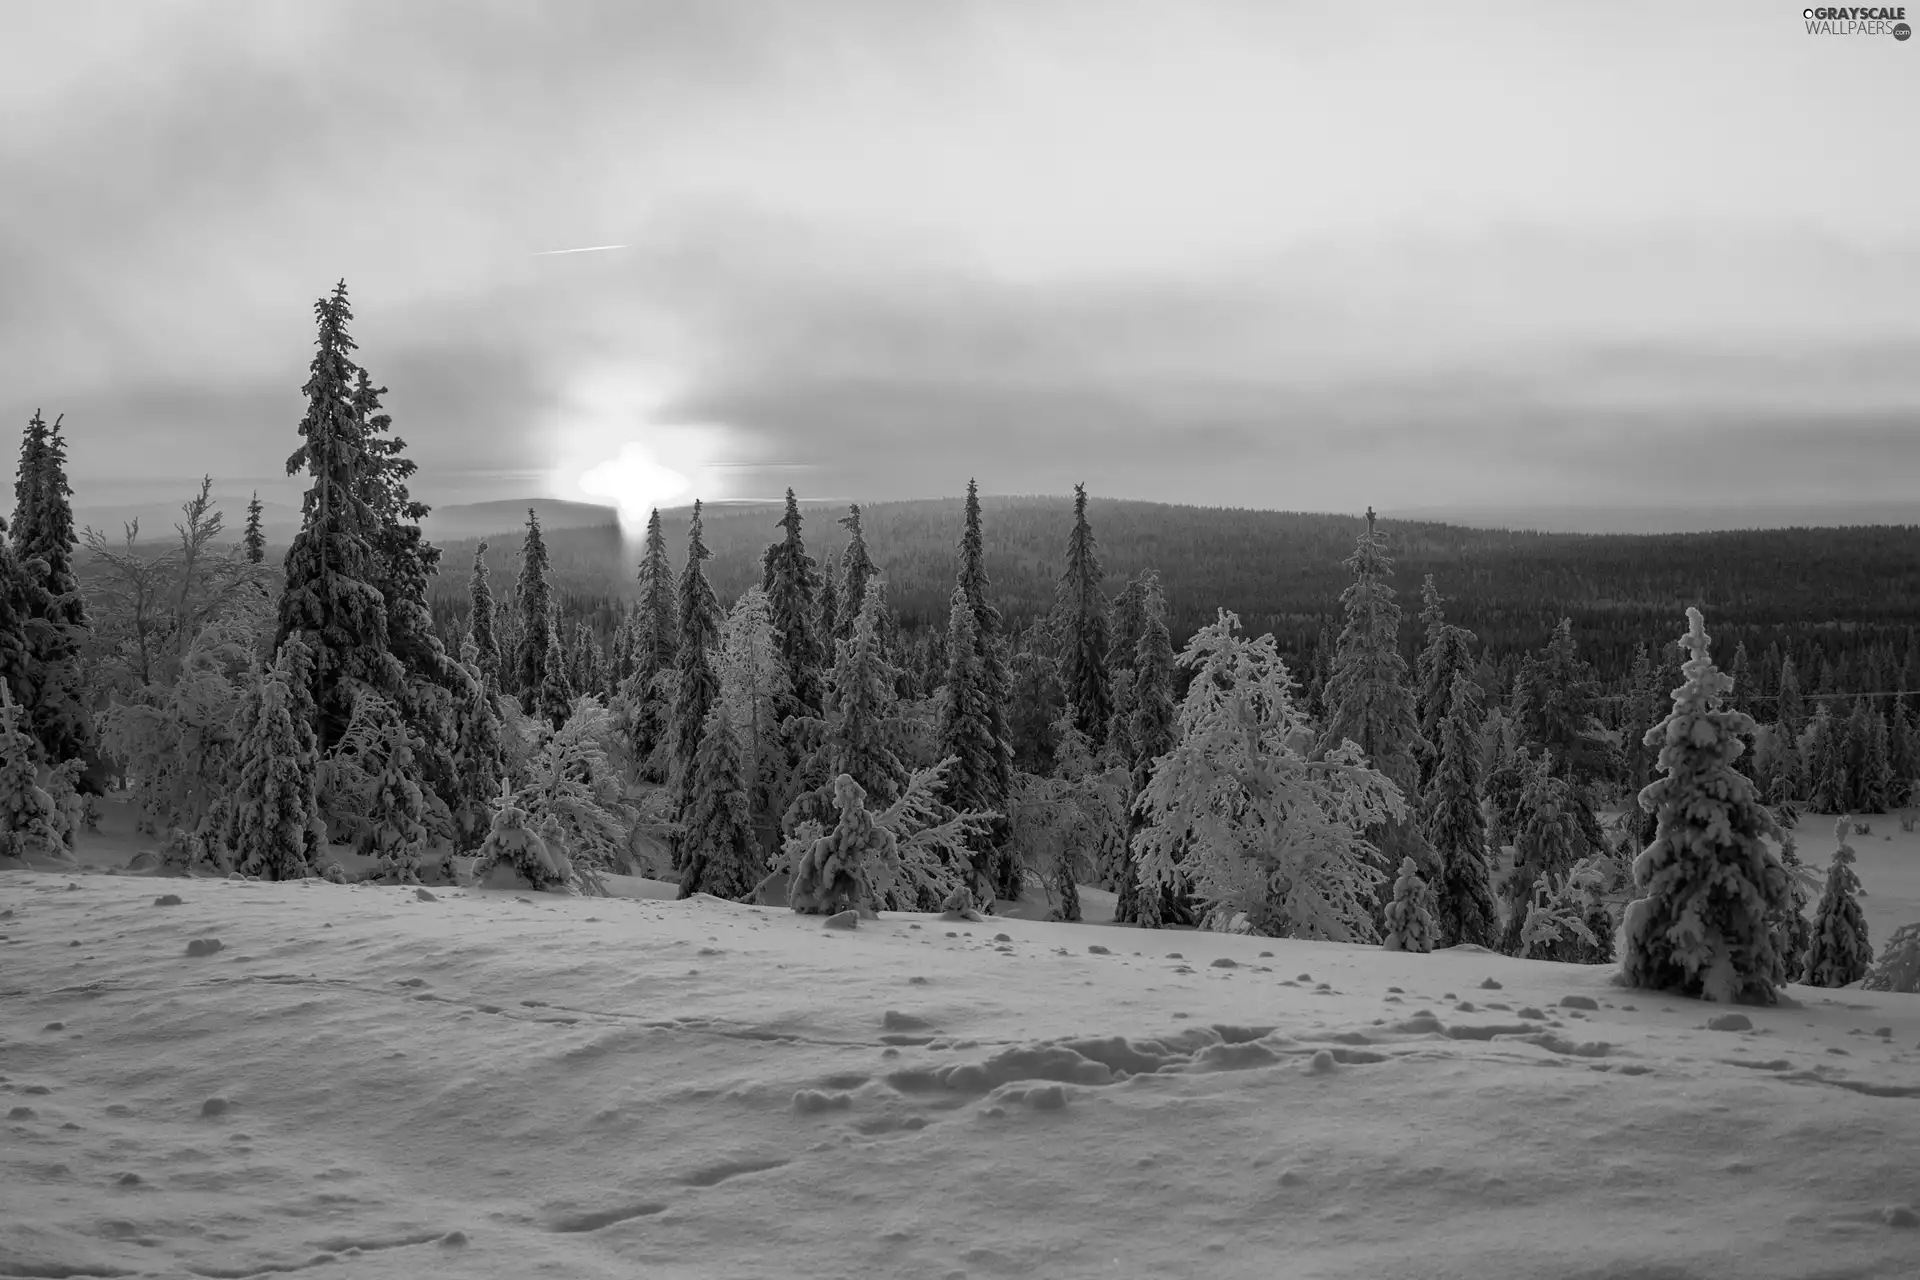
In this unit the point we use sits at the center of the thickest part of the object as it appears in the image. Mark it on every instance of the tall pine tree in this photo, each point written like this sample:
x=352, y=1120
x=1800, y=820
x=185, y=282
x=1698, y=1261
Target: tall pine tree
x=856, y=570
x=277, y=801
x=1083, y=606
x=536, y=618
x=480, y=620
x=1155, y=732
x=995, y=850
x=721, y=856
x=788, y=574
x=1447, y=654
x=254, y=539
x=1466, y=912
x=697, y=684
x=331, y=598
x=59, y=706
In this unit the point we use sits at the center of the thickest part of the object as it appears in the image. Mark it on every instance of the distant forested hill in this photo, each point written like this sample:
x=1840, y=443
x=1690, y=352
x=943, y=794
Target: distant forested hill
x=1807, y=590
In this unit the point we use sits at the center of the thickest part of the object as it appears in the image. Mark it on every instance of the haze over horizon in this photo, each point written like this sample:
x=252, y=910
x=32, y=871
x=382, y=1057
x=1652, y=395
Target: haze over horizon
x=1223, y=253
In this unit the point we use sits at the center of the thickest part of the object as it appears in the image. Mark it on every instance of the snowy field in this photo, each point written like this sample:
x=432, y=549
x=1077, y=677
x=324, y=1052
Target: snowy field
x=490, y=1083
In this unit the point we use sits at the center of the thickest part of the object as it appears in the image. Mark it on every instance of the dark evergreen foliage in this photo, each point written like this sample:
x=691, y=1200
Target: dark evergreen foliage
x=253, y=539
x=697, y=684
x=1085, y=621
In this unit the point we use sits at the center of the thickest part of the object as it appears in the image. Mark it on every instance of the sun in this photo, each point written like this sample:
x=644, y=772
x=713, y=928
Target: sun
x=635, y=482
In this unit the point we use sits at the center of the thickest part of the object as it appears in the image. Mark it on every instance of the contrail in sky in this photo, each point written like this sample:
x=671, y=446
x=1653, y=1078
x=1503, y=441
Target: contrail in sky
x=596, y=248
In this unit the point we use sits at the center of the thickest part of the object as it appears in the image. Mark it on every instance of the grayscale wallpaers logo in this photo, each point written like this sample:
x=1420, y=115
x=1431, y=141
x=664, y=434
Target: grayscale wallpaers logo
x=1858, y=21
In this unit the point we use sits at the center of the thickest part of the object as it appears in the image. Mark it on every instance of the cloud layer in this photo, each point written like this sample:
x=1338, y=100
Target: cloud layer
x=1243, y=254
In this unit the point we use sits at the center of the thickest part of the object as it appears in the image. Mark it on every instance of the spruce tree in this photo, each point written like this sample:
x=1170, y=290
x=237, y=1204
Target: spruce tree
x=28, y=484
x=966, y=731
x=655, y=646
x=697, y=684
x=721, y=857
x=1554, y=700
x=480, y=622
x=1129, y=623
x=1826, y=752
x=29, y=819
x=1410, y=925
x=58, y=708
x=1708, y=884
x=331, y=599
x=1903, y=762
x=787, y=576
x=554, y=699
x=829, y=612
x=536, y=618
x=1465, y=911
x=254, y=540
x=1875, y=788
x=277, y=800
x=1839, y=951
x=1368, y=697
x=1792, y=931
x=1083, y=664
x=1741, y=698
x=1545, y=847
x=1155, y=732
x=1790, y=710
x=856, y=570
x=994, y=851
x=859, y=732
x=479, y=757
x=1447, y=653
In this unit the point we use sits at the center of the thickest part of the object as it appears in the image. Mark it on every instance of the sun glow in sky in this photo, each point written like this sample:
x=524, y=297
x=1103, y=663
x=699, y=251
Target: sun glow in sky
x=634, y=482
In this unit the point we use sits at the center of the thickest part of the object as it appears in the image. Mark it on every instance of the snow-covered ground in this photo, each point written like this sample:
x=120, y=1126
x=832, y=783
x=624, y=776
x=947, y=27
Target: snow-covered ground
x=485, y=1083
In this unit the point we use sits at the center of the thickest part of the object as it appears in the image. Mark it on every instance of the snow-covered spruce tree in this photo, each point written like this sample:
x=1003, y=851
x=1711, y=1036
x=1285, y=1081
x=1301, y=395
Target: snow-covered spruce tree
x=29, y=819
x=1465, y=911
x=788, y=575
x=834, y=874
x=480, y=619
x=860, y=731
x=829, y=611
x=1708, y=885
x=1740, y=671
x=1898, y=968
x=1545, y=846
x=253, y=540
x=1265, y=833
x=479, y=754
x=646, y=698
x=58, y=710
x=371, y=790
x=277, y=801
x=1840, y=951
x=1448, y=653
x=753, y=685
x=16, y=668
x=966, y=734
x=535, y=598
x=1129, y=624
x=723, y=854
x=1410, y=924
x=1790, y=709
x=992, y=852
x=584, y=668
x=1083, y=609
x=553, y=701
x=331, y=599
x=1154, y=733
x=856, y=570
x=1555, y=699
x=1370, y=701
x=1873, y=776
x=1823, y=747
x=697, y=684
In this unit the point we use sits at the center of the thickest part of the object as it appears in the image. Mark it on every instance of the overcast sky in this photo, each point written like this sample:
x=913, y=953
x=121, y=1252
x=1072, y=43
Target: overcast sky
x=1261, y=253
